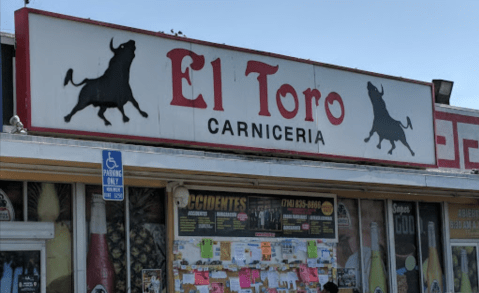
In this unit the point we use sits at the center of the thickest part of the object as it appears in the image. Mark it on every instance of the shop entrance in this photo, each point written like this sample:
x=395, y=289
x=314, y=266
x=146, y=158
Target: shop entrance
x=22, y=266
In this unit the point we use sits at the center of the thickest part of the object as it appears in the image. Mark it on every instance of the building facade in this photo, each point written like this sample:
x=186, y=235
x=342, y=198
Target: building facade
x=153, y=163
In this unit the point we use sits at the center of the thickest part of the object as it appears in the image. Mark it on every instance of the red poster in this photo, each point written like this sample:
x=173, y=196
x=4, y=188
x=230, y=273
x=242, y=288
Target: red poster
x=313, y=275
x=304, y=273
x=202, y=278
x=217, y=288
x=245, y=278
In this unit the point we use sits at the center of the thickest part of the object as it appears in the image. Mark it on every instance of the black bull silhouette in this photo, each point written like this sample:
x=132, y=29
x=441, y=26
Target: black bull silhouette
x=110, y=90
x=385, y=126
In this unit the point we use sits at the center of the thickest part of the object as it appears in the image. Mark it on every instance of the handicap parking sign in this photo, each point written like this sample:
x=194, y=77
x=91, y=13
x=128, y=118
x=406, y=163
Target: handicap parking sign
x=112, y=173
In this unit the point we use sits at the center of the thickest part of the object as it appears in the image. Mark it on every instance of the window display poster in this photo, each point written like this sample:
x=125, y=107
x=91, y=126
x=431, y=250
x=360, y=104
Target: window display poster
x=348, y=245
x=431, y=247
x=407, y=273
x=146, y=236
x=374, y=245
x=7, y=213
x=464, y=262
x=51, y=202
x=11, y=201
x=464, y=221
x=347, y=278
x=28, y=283
x=218, y=213
x=151, y=280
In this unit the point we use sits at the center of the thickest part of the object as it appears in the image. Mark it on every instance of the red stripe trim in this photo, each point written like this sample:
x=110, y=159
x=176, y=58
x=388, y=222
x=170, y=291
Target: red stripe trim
x=22, y=66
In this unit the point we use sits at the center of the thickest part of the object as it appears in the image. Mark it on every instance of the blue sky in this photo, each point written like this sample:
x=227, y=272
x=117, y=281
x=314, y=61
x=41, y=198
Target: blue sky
x=420, y=40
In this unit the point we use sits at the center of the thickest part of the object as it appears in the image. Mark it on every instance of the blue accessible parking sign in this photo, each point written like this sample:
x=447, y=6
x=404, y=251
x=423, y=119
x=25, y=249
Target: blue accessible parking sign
x=112, y=173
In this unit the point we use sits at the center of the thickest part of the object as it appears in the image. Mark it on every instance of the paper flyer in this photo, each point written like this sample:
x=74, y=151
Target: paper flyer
x=266, y=251
x=188, y=278
x=312, y=249
x=245, y=278
x=225, y=250
x=151, y=280
x=202, y=278
x=235, y=284
x=206, y=246
x=217, y=287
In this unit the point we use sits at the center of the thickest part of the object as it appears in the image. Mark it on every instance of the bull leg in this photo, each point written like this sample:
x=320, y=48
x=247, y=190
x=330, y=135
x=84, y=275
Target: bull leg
x=407, y=145
x=79, y=106
x=100, y=114
x=370, y=134
x=379, y=144
x=392, y=148
x=135, y=103
x=125, y=118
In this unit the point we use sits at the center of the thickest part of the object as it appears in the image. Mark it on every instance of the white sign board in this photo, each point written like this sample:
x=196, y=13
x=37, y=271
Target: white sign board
x=90, y=78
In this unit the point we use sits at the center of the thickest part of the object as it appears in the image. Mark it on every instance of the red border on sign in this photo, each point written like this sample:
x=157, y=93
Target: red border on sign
x=22, y=64
x=24, y=90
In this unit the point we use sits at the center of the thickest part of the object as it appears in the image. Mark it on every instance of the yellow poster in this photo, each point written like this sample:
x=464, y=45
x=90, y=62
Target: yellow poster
x=463, y=221
x=225, y=250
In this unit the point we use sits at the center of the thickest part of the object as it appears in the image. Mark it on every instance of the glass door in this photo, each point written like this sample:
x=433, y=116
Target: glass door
x=22, y=267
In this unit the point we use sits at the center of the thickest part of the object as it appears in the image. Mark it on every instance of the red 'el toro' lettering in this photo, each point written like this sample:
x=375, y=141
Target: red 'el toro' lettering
x=176, y=56
x=264, y=70
x=330, y=99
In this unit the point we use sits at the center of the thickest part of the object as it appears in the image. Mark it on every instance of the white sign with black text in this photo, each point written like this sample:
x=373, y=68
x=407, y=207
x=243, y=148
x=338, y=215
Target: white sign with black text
x=146, y=86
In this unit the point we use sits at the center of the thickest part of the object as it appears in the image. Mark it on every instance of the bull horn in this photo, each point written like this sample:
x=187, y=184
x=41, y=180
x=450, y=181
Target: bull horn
x=111, y=46
x=382, y=90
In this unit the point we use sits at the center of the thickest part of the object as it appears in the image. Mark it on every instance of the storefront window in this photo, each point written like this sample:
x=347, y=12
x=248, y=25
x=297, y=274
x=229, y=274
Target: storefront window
x=147, y=240
x=51, y=202
x=11, y=201
x=106, y=258
x=464, y=261
x=431, y=247
x=405, y=237
x=349, y=267
x=107, y=250
x=46, y=202
x=409, y=235
x=374, y=246
x=20, y=271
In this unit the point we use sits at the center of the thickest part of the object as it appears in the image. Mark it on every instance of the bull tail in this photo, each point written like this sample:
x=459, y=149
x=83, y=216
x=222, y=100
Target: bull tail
x=69, y=78
x=409, y=124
